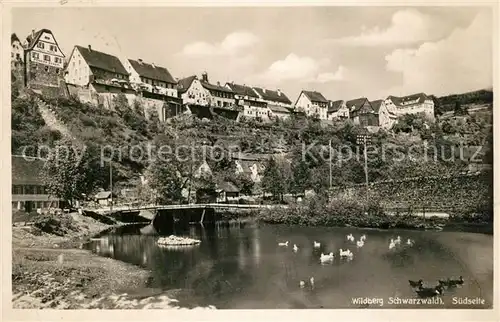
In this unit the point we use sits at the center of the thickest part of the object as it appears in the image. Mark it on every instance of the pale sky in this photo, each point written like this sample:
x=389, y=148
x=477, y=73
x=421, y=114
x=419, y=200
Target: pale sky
x=342, y=52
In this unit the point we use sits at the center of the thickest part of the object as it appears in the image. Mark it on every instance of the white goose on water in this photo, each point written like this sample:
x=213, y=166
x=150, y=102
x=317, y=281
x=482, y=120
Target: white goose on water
x=346, y=253
x=398, y=240
x=392, y=244
x=360, y=243
x=409, y=242
x=302, y=284
x=295, y=248
x=324, y=258
x=362, y=238
x=317, y=244
x=350, y=237
x=283, y=244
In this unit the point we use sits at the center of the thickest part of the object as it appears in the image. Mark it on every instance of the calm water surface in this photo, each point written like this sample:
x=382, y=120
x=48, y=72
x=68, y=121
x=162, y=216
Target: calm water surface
x=244, y=268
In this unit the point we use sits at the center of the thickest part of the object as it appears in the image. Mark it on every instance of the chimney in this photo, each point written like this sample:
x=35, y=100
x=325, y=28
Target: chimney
x=218, y=84
x=204, y=77
x=279, y=92
x=264, y=90
x=139, y=60
x=153, y=64
x=32, y=34
x=90, y=48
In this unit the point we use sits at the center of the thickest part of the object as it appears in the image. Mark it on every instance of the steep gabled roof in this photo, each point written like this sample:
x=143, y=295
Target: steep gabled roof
x=227, y=186
x=27, y=170
x=212, y=87
x=32, y=39
x=152, y=71
x=242, y=90
x=270, y=95
x=376, y=105
x=13, y=38
x=315, y=96
x=356, y=104
x=102, y=60
x=334, y=106
x=185, y=83
x=399, y=101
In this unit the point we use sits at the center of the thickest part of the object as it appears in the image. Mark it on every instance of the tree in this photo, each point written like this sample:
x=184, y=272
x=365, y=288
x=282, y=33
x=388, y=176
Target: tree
x=154, y=121
x=167, y=182
x=300, y=177
x=272, y=180
x=71, y=172
x=459, y=109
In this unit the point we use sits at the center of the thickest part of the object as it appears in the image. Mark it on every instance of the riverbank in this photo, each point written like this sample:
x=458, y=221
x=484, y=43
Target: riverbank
x=51, y=271
x=344, y=212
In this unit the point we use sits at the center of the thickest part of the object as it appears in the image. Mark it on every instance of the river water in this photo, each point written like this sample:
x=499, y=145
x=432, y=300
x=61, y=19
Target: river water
x=244, y=268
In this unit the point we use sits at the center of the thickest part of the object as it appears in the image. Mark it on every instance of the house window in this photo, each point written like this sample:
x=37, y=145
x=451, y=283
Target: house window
x=57, y=70
x=57, y=59
x=46, y=68
x=46, y=58
x=40, y=45
x=53, y=48
x=18, y=56
x=34, y=55
x=106, y=88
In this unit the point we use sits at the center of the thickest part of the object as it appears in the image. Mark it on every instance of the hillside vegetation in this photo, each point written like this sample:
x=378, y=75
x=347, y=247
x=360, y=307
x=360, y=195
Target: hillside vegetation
x=127, y=129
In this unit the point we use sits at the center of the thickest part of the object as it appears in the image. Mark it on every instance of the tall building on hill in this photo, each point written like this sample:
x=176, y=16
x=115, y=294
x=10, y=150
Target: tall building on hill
x=312, y=103
x=97, y=77
x=249, y=100
x=411, y=104
x=156, y=87
x=44, y=60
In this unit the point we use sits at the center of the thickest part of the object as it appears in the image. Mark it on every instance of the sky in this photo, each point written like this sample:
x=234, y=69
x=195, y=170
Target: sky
x=342, y=52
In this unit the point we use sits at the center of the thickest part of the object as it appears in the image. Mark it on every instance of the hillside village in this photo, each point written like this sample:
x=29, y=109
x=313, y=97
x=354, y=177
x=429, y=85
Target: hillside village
x=105, y=86
x=97, y=77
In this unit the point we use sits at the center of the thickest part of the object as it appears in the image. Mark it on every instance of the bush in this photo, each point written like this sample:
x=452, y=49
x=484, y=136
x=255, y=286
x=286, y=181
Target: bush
x=58, y=225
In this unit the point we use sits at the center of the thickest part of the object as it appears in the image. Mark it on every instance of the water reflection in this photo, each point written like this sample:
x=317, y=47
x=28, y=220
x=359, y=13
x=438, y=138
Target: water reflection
x=244, y=267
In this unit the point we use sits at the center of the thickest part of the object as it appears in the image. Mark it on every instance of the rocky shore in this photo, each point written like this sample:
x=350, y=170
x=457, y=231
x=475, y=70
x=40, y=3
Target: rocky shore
x=54, y=272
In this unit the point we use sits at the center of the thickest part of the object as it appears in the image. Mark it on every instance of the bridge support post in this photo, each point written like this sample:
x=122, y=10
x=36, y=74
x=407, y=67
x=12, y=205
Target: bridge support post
x=202, y=216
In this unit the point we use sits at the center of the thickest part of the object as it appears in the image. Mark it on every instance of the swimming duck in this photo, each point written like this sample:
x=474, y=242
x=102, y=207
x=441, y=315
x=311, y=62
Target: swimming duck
x=302, y=284
x=452, y=282
x=295, y=248
x=311, y=280
x=362, y=238
x=429, y=291
x=398, y=240
x=326, y=257
x=317, y=244
x=350, y=237
x=409, y=242
x=416, y=284
x=283, y=244
x=392, y=244
x=345, y=253
x=360, y=243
